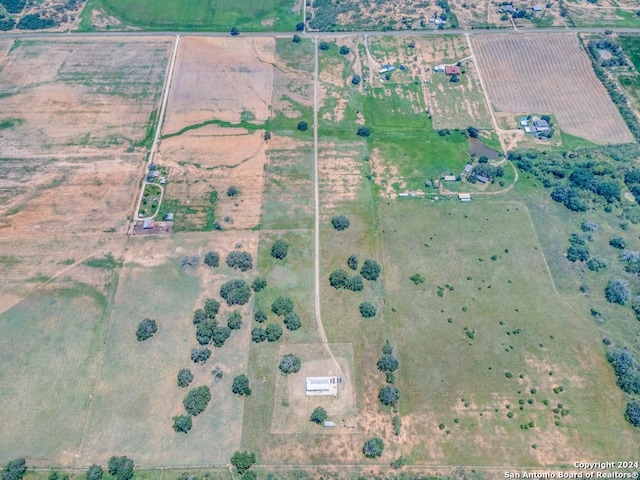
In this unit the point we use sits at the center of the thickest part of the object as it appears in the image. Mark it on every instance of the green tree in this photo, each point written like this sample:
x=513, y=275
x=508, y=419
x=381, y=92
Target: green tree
x=319, y=415
x=259, y=284
x=211, y=307
x=282, y=305
x=368, y=310
x=340, y=222
x=205, y=331
x=200, y=355
x=290, y=364
x=240, y=260
x=235, y=292
x=324, y=46
x=617, y=291
x=15, y=469
x=292, y=321
x=234, y=322
x=632, y=413
x=235, y=32
x=387, y=349
x=370, y=270
x=260, y=316
x=120, y=467
x=94, y=472
x=388, y=363
x=241, y=385
x=199, y=316
x=299, y=26
x=355, y=80
x=197, y=400
x=339, y=279
x=185, y=377
x=373, y=447
x=352, y=262
x=473, y=132
x=273, y=331
x=279, y=249
x=296, y=39
x=389, y=395
x=250, y=475
x=232, y=191
x=182, y=423
x=416, y=278
x=618, y=242
x=258, y=335
x=212, y=259
x=146, y=329
x=577, y=252
x=363, y=132
x=243, y=461
x=303, y=126
x=344, y=50
x=220, y=335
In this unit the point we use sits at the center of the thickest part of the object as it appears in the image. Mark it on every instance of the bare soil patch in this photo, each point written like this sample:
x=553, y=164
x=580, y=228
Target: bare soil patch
x=340, y=173
x=72, y=96
x=220, y=78
x=528, y=74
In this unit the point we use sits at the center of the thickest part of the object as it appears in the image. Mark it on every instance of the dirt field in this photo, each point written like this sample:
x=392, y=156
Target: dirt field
x=292, y=408
x=528, y=74
x=79, y=96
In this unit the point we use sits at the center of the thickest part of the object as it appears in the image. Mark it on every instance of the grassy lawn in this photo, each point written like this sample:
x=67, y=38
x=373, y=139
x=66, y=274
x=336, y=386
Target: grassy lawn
x=222, y=15
x=488, y=321
x=49, y=349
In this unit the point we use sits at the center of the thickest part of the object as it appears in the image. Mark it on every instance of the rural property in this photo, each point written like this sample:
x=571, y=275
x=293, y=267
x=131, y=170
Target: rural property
x=340, y=240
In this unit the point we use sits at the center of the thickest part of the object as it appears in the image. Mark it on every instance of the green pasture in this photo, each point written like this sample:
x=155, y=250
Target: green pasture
x=50, y=345
x=206, y=15
x=457, y=347
x=137, y=396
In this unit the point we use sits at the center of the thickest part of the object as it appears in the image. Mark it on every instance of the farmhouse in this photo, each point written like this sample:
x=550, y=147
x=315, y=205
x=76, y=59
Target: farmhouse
x=541, y=125
x=464, y=197
x=452, y=70
x=386, y=68
x=322, y=386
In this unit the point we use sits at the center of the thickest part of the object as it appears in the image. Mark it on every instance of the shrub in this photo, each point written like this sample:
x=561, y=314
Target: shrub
x=368, y=310
x=185, y=377
x=292, y=321
x=205, y=331
x=197, y=400
x=243, y=461
x=182, y=423
x=14, y=470
x=389, y=395
x=146, y=329
x=338, y=279
x=259, y=284
x=387, y=349
x=397, y=424
x=235, y=32
x=235, y=292
x=232, y=191
x=290, y=364
x=577, y=252
x=94, y=472
x=121, y=467
x=632, y=413
x=211, y=307
x=249, y=475
x=282, y=305
x=618, y=242
x=200, y=355
x=588, y=226
x=352, y=262
x=258, y=335
x=303, y=126
x=355, y=284
x=241, y=385
x=296, y=39
x=273, y=331
x=596, y=264
x=319, y=415
x=340, y=222
x=373, y=447
x=388, y=363
x=617, y=291
x=279, y=249
x=240, y=260
x=370, y=270
x=627, y=370
x=299, y=26
x=363, y=132
x=212, y=259
x=260, y=316
x=416, y=278
x=234, y=322
x=34, y=21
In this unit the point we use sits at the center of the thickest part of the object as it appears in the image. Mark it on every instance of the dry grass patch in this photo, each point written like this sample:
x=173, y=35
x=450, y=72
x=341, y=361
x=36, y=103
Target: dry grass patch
x=80, y=96
x=529, y=74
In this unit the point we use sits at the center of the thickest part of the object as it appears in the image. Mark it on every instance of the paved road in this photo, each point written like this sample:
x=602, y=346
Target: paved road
x=393, y=33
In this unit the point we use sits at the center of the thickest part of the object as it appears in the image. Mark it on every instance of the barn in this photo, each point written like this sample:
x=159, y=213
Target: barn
x=322, y=386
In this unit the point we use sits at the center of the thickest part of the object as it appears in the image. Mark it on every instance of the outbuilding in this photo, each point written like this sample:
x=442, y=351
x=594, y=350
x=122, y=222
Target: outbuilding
x=452, y=70
x=321, y=386
x=328, y=424
x=464, y=197
x=449, y=178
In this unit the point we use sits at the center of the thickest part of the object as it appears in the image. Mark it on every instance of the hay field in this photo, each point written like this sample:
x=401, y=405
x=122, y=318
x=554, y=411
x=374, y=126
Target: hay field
x=489, y=323
x=529, y=73
x=80, y=96
x=136, y=395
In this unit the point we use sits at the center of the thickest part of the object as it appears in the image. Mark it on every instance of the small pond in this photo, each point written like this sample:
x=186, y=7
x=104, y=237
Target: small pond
x=476, y=146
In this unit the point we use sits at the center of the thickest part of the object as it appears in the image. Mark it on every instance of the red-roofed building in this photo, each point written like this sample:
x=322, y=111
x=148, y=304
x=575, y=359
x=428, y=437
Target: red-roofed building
x=452, y=70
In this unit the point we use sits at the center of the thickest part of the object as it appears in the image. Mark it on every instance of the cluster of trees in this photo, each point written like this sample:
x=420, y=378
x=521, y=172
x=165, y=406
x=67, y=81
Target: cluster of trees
x=340, y=279
x=13, y=6
x=14, y=470
x=147, y=328
x=632, y=181
x=453, y=20
x=6, y=23
x=619, y=98
x=627, y=369
x=34, y=21
x=240, y=386
x=243, y=461
x=209, y=331
x=240, y=260
x=616, y=57
x=235, y=292
x=326, y=12
x=486, y=170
